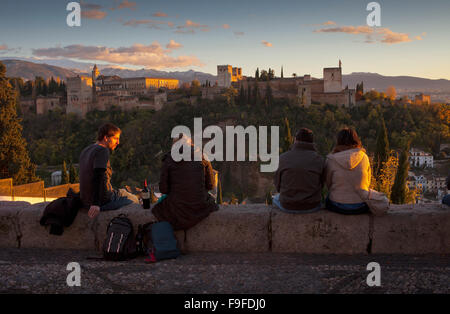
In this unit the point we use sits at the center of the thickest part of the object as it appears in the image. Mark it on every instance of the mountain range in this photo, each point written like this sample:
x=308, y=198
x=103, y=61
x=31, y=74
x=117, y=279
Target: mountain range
x=47, y=68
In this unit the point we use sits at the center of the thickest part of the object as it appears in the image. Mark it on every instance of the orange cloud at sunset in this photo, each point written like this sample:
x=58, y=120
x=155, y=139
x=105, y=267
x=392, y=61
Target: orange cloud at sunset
x=383, y=35
x=150, y=56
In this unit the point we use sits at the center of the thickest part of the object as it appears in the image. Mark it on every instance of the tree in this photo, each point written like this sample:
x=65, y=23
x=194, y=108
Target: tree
x=281, y=71
x=287, y=138
x=65, y=177
x=15, y=162
x=257, y=74
x=264, y=75
x=386, y=177
x=391, y=93
x=399, y=189
x=73, y=175
x=195, y=88
x=382, y=148
x=271, y=74
x=230, y=94
x=269, y=94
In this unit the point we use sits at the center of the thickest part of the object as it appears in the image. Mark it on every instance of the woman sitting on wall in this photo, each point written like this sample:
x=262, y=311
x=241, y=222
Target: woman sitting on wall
x=186, y=185
x=348, y=174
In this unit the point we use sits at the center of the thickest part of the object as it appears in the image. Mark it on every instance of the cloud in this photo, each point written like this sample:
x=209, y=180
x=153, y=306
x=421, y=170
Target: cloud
x=90, y=6
x=188, y=31
x=93, y=14
x=189, y=27
x=225, y=26
x=382, y=35
x=173, y=45
x=5, y=49
x=329, y=23
x=239, y=33
x=92, y=11
x=266, y=43
x=159, y=14
x=149, y=23
x=150, y=56
x=347, y=29
x=125, y=4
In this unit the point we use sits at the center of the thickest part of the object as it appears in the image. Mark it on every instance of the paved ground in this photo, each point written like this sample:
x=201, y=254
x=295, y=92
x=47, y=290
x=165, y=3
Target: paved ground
x=45, y=271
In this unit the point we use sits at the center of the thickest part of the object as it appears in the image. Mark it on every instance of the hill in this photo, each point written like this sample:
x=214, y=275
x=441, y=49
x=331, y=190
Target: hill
x=29, y=70
x=404, y=83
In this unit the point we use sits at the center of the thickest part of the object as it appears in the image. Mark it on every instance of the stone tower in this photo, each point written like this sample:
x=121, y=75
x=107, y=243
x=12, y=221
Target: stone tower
x=332, y=79
x=95, y=74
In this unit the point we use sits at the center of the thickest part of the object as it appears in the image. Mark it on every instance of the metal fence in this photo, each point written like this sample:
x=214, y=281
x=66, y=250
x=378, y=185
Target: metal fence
x=33, y=192
x=6, y=189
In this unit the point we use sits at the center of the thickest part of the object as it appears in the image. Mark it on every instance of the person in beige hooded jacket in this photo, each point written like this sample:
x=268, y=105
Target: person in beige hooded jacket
x=347, y=175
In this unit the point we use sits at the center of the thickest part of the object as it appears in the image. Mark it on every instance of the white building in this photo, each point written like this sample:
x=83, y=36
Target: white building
x=419, y=158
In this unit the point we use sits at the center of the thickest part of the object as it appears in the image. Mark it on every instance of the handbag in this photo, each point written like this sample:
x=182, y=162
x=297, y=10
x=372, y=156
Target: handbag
x=377, y=202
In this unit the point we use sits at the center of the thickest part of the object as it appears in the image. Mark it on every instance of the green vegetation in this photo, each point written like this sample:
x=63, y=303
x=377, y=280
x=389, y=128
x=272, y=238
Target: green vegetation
x=55, y=136
x=14, y=160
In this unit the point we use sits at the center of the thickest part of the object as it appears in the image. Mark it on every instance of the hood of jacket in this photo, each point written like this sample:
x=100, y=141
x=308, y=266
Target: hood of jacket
x=349, y=159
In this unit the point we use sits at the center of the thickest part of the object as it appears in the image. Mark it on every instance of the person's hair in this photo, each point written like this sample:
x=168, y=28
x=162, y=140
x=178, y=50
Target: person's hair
x=348, y=137
x=304, y=135
x=107, y=130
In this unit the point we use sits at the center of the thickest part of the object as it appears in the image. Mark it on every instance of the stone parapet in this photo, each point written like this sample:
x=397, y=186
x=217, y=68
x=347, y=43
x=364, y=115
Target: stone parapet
x=406, y=229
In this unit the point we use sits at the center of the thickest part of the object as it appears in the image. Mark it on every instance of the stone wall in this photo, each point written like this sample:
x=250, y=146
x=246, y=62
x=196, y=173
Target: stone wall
x=418, y=229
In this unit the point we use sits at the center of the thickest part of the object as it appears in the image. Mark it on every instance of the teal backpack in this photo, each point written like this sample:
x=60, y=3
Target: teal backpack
x=159, y=242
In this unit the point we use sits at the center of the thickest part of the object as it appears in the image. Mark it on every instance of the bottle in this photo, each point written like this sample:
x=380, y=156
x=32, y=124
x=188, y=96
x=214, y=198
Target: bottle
x=146, y=196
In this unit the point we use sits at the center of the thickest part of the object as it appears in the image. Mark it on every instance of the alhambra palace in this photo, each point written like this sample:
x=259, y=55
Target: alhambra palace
x=100, y=92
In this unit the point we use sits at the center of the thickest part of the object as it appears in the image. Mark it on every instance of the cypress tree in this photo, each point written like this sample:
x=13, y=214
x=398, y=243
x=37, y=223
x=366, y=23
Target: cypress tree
x=287, y=138
x=65, y=178
x=15, y=162
x=73, y=176
x=257, y=74
x=382, y=148
x=281, y=71
x=399, y=189
x=269, y=94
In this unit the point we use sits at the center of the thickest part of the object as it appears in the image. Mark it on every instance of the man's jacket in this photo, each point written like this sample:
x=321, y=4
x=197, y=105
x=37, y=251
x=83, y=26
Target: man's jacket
x=299, y=177
x=61, y=212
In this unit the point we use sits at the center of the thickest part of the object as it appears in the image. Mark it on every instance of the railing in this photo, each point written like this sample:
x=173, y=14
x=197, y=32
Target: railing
x=33, y=192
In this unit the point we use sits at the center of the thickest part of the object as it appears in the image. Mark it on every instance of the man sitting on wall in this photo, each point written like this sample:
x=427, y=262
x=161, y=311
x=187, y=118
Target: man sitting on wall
x=299, y=176
x=96, y=191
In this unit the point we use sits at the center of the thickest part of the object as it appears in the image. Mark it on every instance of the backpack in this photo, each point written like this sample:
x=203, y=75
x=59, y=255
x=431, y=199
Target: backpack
x=159, y=242
x=119, y=244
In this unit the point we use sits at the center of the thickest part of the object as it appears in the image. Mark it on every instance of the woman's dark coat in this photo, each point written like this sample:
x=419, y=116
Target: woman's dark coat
x=186, y=184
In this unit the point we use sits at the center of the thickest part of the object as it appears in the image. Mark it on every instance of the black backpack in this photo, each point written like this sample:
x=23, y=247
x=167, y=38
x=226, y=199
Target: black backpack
x=119, y=244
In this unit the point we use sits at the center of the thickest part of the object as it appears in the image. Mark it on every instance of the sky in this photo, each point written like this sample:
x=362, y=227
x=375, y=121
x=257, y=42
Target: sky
x=303, y=37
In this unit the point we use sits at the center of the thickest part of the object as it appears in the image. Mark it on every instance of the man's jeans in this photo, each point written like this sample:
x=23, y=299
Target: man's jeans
x=120, y=199
x=276, y=201
x=346, y=209
x=446, y=200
